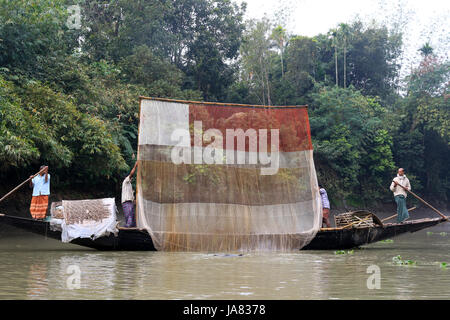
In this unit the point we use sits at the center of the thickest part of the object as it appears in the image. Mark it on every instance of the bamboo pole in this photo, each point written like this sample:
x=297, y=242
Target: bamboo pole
x=415, y=195
x=388, y=218
x=16, y=188
x=354, y=222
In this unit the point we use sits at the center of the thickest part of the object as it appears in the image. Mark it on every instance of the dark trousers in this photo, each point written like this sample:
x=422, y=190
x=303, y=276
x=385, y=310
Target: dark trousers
x=128, y=211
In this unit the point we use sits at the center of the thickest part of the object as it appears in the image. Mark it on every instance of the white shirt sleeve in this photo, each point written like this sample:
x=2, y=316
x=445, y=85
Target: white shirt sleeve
x=392, y=187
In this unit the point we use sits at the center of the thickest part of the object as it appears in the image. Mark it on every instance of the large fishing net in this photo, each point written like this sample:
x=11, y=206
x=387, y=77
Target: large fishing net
x=224, y=177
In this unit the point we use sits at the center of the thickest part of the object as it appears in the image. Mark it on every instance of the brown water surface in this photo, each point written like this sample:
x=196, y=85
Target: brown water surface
x=33, y=267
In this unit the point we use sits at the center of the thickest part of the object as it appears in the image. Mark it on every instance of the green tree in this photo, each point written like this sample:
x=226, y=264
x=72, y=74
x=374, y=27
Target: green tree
x=369, y=54
x=426, y=50
x=32, y=33
x=279, y=35
x=256, y=59
x=351, y=142
x=422, y=142
x=301, y=63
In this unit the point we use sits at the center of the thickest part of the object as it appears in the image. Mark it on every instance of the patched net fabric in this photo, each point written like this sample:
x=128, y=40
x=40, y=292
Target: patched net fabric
x=224, y=177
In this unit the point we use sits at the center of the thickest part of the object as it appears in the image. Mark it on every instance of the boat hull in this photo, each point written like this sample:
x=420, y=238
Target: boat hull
x=139, y=240
x=126, y=239
x=356, y=237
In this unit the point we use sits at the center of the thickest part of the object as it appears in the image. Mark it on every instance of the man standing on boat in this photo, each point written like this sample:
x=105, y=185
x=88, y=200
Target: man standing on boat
x=128, y=200
x=325, y=206
x=41, y=191
x=400, y=194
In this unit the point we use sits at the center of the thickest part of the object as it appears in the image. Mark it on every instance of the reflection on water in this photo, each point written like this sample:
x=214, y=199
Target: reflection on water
x=35, y=268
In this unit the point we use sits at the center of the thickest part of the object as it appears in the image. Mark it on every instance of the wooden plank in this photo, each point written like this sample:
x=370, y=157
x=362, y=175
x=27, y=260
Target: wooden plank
x=388, y=218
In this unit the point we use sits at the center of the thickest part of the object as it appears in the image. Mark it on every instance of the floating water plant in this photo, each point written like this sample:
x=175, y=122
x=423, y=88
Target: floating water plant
x=443, y=265
x=429, y=233
x=387, y=241
x=343, y=252
x=399, y=261
x=443, y=234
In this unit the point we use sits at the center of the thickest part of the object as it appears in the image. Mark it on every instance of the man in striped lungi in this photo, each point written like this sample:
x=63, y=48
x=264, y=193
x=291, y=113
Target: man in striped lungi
x=41, y=192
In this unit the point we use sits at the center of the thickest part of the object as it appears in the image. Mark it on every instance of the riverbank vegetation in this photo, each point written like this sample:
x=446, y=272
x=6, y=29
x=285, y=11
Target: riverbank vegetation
x=69, y=90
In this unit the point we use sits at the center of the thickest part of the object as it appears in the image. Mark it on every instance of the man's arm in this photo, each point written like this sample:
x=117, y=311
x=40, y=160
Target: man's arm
x=408, y=185
x=46, y=174
x=393, y=185
x=133, y=170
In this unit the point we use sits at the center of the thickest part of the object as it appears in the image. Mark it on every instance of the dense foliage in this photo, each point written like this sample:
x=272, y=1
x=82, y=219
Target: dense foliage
x=68, y=96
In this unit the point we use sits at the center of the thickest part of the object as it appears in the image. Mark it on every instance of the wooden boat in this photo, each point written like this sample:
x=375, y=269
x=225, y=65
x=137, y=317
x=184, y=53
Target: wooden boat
x=335, y=239
x=133, y=239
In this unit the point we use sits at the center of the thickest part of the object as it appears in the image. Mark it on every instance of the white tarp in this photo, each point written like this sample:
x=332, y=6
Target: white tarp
x=87, y=219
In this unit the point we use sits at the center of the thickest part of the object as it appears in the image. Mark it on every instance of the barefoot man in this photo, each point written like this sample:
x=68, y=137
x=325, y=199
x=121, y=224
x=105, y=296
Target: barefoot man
x=41, y=191
x=325, y=207
x=128, y=200
x=400, y=194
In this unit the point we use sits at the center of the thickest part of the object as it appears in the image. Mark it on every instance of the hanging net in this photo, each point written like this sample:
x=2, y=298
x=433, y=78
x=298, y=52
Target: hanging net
x=226, y=177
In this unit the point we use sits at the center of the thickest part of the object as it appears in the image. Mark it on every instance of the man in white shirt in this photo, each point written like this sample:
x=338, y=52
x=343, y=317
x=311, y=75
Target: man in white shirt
x=400, y=194
x=325, y=206
x=128, y=200
x=41, y=191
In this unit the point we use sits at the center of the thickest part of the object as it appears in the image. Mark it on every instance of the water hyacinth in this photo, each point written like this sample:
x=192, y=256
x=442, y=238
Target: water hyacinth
x=399, y=261
x=387, y=241
x=343, y=252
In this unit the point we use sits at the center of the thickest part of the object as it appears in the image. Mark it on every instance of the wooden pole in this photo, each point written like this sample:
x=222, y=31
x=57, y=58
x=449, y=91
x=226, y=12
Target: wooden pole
x=354, y=222
x=415, y=195
x=16, y=188
x=388, y=218
x=347, y=225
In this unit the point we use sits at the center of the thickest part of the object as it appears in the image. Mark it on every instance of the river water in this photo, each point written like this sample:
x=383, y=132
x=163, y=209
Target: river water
x=33, y=267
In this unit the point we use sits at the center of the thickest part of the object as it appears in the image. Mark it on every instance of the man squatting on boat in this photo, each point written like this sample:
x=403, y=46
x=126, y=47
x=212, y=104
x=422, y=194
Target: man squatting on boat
x=325, y=206
x=128, y=200
x=400, y=194
x=41, y=191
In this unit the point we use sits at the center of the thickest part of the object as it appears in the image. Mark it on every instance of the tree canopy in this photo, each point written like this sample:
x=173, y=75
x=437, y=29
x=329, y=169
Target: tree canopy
x=68, y=95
